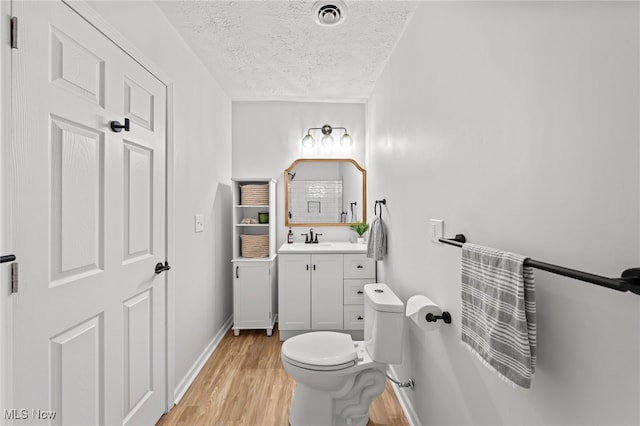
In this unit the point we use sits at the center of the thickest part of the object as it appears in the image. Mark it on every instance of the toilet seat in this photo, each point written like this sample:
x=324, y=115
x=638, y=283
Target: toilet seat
x=320, y=351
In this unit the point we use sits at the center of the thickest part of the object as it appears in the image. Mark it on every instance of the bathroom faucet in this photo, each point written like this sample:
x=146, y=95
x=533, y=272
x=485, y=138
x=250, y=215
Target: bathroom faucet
x=310, y=237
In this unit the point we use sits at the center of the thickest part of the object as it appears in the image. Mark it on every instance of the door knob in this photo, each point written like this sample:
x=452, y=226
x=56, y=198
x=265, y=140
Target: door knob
x=161, y=268
x=117, y=127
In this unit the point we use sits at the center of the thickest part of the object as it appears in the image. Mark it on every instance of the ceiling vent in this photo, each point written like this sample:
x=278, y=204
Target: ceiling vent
x=329, y=13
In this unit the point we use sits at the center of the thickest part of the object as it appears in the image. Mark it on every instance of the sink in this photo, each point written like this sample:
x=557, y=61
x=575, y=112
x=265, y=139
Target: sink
x=325, y=247
x=304, y=246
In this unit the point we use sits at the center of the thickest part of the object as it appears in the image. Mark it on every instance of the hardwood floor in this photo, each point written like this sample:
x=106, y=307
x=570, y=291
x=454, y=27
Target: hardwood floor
x=244, y=383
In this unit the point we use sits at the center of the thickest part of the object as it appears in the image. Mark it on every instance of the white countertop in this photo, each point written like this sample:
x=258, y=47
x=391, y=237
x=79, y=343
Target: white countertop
x=323, y=247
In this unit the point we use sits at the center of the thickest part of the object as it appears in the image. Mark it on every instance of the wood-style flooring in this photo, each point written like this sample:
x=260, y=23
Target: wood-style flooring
x=244, y=383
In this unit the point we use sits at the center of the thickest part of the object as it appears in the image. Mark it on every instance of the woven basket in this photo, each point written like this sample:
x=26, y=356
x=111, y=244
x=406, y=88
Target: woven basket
x=255, y=245
x=254, y=195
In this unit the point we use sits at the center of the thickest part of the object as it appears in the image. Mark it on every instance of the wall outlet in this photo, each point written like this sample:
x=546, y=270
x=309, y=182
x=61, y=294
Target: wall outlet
x=199, y=223
x=436, y=230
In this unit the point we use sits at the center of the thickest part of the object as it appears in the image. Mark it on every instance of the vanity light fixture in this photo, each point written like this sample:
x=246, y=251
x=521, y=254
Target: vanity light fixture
x=327, y=140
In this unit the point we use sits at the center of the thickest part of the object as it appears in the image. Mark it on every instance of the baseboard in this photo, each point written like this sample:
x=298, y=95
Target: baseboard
x=184, y=384
x=403, y=399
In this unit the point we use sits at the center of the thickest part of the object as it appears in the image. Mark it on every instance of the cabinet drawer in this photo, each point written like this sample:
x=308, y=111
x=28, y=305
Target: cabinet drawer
x=354, y=291
x=354, y=317
x=359, y=266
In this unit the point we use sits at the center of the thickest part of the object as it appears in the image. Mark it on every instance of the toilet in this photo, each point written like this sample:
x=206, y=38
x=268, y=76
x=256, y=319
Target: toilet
x=336, y=377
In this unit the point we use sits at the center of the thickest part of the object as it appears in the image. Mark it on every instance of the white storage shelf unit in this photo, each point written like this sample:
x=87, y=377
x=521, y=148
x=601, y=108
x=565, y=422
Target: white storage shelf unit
x=244, y=211
x=254, y=286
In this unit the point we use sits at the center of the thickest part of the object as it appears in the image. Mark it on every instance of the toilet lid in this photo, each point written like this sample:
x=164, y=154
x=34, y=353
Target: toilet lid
x=321, y=349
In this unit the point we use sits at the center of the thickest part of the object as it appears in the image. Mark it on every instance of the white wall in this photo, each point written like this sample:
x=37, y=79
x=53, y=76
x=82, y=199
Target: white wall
x=202, y=171
x=518, y=124
x=267, y=139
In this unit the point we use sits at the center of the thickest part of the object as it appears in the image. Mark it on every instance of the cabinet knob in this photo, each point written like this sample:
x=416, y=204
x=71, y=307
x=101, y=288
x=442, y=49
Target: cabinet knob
x=360, y=318
x=360, y=291
x=360, y=266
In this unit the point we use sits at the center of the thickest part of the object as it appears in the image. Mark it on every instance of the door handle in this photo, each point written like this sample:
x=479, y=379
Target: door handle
x=161, y=268
x=360, y=292
x=7, y=258
x=117, y=127
x=237, y=276
x=360, y=266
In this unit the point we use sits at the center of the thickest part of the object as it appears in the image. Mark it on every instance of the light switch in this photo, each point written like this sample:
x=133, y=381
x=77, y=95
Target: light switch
x=199, y=223
x=436, y=230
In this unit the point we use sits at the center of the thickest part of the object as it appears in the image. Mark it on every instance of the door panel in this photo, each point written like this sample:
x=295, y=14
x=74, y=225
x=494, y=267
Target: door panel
x=138, y=362
x=77, y=374
x=76, y=200
x=87, y=211
x=138, y=200
x=76, y=68
x=138, y=104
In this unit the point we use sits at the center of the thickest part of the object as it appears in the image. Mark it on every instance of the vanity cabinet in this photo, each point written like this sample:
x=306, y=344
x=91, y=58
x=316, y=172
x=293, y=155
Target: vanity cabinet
x=322, y=291
x=254, y=296
x=254, y=265
x=311, y=292
x=358, y=271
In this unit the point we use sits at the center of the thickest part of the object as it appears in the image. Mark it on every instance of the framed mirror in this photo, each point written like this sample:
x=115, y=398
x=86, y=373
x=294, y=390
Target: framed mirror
x=325, y=192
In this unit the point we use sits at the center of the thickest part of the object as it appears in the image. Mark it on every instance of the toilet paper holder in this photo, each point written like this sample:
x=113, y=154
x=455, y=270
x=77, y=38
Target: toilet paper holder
x=446, y=317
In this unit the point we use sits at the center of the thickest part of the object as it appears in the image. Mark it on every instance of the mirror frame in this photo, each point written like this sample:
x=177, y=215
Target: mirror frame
x=324, y=160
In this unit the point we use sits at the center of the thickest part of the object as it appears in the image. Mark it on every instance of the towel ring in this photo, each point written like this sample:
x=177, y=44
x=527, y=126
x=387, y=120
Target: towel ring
x=375, y=208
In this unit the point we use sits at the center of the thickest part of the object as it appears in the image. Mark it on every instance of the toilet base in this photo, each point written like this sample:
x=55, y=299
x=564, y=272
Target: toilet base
x=347, y=406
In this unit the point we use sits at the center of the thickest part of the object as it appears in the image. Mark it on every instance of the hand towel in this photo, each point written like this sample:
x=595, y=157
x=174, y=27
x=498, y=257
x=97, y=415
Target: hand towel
x=377, y=246
x=499, y=312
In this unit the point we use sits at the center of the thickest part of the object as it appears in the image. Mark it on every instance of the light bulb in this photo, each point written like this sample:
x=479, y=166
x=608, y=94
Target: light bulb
x=327, y=141
x=346, y=140
x=308, y=141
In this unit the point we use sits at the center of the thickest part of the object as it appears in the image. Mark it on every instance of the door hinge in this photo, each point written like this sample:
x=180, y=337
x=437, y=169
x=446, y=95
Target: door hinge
x=14, y=32
x=14, y=277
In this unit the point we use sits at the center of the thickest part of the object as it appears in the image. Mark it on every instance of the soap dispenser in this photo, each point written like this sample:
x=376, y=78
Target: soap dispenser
x=290, y=237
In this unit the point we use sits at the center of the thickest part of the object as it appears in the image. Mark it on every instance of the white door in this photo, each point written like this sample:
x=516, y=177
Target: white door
x=88, y=225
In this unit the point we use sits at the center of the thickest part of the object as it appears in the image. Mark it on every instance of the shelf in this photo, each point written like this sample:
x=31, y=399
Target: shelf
x=253, y=224
x=254, y=259
x=253, y=206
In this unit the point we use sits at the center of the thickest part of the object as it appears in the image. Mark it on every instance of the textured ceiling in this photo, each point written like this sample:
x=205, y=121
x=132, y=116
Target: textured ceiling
x=274, y=50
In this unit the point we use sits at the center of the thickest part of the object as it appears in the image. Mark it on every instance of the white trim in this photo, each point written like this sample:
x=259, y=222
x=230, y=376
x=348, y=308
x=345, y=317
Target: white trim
x=188, y=379
x=170, y=253
x=405, y=402
x=6, y=376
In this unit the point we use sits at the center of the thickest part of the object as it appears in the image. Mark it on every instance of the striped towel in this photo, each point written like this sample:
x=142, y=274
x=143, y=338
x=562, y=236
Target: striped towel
x=499, y=312
x=377, y=246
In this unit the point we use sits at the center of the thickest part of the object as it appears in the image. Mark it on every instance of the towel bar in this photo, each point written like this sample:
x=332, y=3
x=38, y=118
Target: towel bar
x=629, y=281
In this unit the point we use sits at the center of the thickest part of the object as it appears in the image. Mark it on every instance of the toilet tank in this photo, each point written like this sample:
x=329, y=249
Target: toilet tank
x=383, y=323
